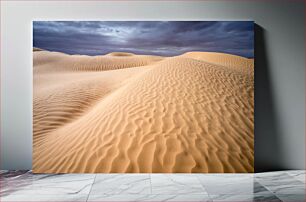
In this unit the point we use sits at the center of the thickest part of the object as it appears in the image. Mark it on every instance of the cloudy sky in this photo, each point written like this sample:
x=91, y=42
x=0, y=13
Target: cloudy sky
x=166, y=38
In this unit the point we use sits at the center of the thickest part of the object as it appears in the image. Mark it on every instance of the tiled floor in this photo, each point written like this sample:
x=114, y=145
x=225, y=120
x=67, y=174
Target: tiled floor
x=274, y=186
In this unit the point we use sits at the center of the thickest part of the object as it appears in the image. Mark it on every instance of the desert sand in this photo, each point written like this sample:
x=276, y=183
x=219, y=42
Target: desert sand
x=127, y=113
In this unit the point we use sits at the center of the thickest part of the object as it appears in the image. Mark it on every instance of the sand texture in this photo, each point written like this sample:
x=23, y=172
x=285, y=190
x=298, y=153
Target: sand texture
x=127, y=113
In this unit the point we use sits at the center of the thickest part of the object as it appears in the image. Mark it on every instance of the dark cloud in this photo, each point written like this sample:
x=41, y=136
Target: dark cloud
x=145, y=37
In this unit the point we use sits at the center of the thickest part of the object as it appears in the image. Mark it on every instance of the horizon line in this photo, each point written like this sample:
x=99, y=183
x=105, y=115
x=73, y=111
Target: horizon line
x=42, y=49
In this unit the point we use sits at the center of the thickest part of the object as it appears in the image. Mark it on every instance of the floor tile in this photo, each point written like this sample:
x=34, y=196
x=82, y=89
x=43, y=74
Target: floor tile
x=216, y=184
x=173, y=184
x=292, y=197
x=272, y=175
x=245, y=198
x=260, y=189
x=12, y=181
x=43, y=198
x=287, y=186
x=282, y=183
x=298, y=175
x=13, y=172
x=14, y=175
x=185, y=198
x=151, y=197
x=121, y=184
x=48, y=184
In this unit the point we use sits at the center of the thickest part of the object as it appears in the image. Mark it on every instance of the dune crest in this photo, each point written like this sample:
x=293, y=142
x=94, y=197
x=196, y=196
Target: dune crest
x=223, y=59
x=192, y=113
x=120, y=54
x=48, y=62
x=37, y=49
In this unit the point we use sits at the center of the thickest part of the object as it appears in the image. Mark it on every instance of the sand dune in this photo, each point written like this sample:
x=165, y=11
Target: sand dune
x=37, y=49
x=120, y=54
x=47, y=62
x=227, y=60
x=123, y=112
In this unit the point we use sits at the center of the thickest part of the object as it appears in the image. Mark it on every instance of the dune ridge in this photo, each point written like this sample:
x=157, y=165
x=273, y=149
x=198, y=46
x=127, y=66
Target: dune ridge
x=70, y=63
x=232, y=61
x=120, y=54
x=37, y=49
x=129, y=113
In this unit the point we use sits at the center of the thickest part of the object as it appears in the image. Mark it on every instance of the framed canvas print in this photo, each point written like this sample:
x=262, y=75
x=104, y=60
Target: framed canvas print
x=143, y=96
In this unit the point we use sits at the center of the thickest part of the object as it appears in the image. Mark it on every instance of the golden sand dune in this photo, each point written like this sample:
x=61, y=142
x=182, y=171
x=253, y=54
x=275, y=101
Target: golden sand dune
x=232, y=61
x=120, y=54
x=56, y=103
x=46, y=62
x=177, y=114
x=37, y=49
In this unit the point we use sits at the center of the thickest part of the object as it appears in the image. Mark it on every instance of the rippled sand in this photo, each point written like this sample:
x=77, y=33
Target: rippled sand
x=129, y=113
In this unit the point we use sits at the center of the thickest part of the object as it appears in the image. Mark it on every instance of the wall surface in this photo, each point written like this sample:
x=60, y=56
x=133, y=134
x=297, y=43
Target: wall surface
x=279, y=67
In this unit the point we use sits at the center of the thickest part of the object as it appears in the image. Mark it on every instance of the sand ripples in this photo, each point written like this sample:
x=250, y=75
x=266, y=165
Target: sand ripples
x=190, y=113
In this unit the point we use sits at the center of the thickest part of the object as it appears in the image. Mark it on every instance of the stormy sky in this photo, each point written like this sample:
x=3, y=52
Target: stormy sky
x=167, y=38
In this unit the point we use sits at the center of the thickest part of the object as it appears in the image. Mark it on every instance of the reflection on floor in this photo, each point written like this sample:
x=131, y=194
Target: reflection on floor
x=273, y=186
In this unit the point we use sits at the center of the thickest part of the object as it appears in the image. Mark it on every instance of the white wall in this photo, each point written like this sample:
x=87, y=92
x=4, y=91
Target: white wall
x=279, y=121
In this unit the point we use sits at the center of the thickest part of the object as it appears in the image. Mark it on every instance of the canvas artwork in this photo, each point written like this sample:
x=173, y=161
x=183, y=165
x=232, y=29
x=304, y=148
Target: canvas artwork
x=143, y=96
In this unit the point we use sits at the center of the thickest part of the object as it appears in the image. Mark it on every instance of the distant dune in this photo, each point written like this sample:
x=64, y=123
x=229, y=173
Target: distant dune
x=120, y=54
x=129, y=113
x=55, y=62
x=37, y=49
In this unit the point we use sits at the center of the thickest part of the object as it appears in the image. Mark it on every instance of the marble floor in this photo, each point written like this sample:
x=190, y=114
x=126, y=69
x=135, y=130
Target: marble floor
x=272, y=186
